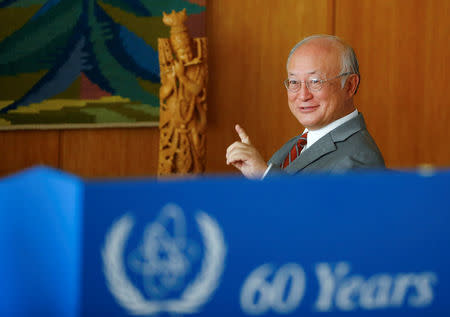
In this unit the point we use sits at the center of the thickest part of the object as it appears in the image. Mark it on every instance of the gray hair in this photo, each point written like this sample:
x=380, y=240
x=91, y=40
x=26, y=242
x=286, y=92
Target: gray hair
x=348, y=57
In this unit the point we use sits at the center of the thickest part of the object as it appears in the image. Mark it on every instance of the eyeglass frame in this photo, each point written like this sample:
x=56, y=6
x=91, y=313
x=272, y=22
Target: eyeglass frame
x=305, y=82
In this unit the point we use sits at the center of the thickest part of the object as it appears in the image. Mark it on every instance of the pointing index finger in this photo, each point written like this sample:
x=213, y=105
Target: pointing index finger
x=242, y=134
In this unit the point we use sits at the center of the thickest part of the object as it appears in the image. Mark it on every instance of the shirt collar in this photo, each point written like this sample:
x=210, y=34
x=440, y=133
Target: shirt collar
x=315, y=135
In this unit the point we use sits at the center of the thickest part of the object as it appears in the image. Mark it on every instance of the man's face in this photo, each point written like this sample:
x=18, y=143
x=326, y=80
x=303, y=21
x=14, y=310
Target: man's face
x=317, y=59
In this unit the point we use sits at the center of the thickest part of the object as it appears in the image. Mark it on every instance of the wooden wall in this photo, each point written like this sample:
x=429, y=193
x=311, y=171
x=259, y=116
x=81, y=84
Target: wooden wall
x=403, y=50
x=404, y=54
x=250, y=41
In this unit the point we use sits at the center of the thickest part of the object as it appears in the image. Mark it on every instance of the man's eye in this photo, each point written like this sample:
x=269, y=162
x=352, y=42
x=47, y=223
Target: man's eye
x=293, y=82
x=314, y=81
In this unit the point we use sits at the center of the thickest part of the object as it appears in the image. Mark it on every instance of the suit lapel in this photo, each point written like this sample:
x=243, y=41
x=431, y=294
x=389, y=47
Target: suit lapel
x=279, y=156
x=326, y=144
x=320, y=148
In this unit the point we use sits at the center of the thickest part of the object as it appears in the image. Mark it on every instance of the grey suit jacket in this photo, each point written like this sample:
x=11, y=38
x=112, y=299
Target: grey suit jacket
x=347, y=147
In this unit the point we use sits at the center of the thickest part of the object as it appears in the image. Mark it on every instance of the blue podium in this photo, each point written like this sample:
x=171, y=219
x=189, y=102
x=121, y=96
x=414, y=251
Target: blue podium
x=369, y=244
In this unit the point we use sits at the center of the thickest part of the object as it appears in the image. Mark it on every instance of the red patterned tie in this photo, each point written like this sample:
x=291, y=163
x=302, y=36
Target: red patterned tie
x=296, y=150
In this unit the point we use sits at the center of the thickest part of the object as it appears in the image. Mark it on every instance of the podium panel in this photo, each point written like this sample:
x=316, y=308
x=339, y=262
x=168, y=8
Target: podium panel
x=371, y=244
x=40, y=244
x=364, y=244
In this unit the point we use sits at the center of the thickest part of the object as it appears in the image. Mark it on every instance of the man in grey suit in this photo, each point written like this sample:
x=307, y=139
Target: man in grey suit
x=323, y=77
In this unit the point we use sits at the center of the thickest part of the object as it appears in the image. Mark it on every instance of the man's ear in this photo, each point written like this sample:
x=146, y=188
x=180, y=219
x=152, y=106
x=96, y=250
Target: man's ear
x=352, y=85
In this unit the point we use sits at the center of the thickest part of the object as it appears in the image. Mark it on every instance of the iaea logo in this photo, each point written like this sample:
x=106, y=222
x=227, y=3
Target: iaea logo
x=163, y=259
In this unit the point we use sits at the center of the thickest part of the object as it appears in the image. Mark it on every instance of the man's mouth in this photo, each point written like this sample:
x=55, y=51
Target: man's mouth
x=308, y=108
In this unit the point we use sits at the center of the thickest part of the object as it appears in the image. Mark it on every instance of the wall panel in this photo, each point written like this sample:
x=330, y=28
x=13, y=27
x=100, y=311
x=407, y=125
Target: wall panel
x=22, y=149
x=403, y=50
x=248, y=45
x=110, y=152
x=435, y=123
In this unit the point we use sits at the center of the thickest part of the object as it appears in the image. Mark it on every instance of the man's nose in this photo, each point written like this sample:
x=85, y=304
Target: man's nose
x=304, y=93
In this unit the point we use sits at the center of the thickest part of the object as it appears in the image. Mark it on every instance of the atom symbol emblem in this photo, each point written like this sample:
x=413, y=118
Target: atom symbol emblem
x=164, y=258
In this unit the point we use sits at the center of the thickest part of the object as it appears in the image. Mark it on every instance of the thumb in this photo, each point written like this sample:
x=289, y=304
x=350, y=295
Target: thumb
x=242, y=134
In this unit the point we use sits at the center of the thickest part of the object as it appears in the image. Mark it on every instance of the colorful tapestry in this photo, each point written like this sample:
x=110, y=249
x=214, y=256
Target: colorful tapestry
x=84, y=63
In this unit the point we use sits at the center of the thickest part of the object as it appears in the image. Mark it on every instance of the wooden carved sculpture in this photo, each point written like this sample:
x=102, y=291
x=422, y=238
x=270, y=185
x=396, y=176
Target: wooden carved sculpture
x=182, y=122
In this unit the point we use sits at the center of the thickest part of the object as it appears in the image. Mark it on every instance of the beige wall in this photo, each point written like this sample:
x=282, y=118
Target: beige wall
x=403, y=50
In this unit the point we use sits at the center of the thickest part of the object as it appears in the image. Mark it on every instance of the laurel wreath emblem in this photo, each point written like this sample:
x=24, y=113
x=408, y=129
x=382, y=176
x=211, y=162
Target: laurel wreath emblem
x=196, y=294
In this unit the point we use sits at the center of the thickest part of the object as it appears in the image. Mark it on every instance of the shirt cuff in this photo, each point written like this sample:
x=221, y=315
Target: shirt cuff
x=267, y=170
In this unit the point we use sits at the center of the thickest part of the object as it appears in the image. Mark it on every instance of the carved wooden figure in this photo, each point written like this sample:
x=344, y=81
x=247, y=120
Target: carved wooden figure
x=182, y=123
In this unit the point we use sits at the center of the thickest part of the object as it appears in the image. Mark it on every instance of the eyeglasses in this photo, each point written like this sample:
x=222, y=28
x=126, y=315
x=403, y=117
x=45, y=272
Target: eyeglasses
x=313, y=84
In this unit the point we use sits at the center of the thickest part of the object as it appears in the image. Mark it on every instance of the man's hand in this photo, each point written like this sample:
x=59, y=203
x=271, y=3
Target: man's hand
x=245, y=157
